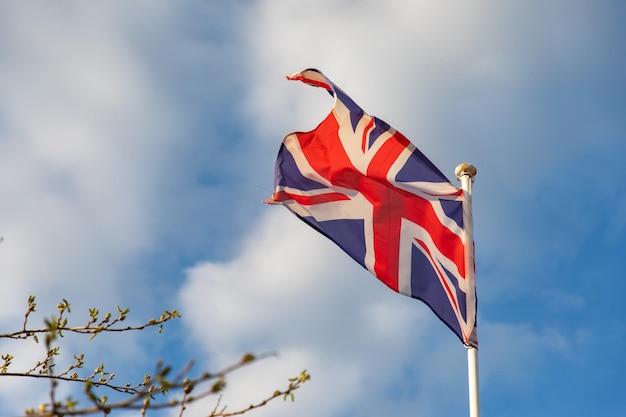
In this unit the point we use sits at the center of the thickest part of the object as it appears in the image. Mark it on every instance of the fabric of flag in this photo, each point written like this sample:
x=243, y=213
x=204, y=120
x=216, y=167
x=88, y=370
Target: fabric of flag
x=363, y=185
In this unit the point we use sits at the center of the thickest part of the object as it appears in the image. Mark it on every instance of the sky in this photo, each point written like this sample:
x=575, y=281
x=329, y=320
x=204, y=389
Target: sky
x=138, y=139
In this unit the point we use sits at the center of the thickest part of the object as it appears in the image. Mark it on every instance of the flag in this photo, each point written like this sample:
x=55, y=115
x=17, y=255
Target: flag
x=363, y=185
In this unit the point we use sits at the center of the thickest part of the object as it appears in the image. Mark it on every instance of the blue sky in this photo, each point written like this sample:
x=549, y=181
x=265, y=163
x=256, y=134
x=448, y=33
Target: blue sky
x=137, y=140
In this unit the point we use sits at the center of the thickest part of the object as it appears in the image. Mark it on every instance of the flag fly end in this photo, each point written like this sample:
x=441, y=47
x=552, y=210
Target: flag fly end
x=272, y=202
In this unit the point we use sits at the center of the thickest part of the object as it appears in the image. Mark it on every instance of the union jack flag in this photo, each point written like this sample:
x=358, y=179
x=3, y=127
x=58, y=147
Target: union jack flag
x=363, y=185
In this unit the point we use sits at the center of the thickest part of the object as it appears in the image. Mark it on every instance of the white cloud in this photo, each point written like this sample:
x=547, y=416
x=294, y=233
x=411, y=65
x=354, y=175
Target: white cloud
x=80, y=151
x=23, y=391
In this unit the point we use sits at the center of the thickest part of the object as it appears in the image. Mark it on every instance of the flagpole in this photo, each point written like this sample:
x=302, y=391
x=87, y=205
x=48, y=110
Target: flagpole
x=465, y=173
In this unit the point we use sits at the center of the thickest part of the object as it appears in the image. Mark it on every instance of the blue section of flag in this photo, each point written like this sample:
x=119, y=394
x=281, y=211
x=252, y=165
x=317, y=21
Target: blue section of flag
x=290, y=174
x=454, y=210
x=426, y=283
x=418, y=168
x=348, y=232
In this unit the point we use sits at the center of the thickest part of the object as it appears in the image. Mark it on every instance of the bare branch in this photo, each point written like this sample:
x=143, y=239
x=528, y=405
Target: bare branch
x=153, y=392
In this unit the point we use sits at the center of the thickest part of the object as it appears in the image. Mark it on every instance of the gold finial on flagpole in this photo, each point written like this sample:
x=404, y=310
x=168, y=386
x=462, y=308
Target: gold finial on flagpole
x=465, y=169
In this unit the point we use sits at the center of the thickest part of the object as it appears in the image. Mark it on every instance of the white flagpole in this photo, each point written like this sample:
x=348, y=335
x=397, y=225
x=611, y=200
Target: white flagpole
x=472, y=374
x=465, y=173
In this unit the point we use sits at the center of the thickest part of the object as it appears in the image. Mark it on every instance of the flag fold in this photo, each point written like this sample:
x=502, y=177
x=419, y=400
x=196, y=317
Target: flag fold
x=363, y=185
